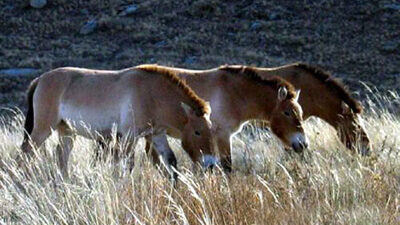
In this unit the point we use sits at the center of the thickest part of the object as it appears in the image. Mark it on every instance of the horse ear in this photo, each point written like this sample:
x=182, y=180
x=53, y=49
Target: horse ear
x=208, y=106
x=282, y=93
x=297, y=95
x=188, y=110
x=345, y=108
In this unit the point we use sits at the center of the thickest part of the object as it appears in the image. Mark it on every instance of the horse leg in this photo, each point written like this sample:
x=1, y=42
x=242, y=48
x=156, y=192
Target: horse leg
x=103, y=150
x=66, y=142
x=224, y=147
x=159, y=147
x=37, y=137
x=100, y=153
x=43, y=124
x=43, y=117
x=150, y=149
x=130, y=152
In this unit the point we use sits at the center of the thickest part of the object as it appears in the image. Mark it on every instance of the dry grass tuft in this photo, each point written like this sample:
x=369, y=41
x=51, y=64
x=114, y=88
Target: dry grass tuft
x=328, y=185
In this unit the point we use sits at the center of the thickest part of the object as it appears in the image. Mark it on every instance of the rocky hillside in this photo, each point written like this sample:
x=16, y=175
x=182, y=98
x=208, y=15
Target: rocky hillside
x=355, y=40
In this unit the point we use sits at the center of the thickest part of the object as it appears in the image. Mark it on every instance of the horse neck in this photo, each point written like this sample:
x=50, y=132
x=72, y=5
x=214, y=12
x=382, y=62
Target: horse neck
x=168, y=111
x=203, y=82
x=315, y=98
x=242, y=99
x=252, y=100
x=179, y=117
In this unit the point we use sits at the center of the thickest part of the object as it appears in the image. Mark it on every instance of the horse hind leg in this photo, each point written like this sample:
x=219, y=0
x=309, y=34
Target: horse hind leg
x=41, y=118
x=33, y=141
x=64, y=148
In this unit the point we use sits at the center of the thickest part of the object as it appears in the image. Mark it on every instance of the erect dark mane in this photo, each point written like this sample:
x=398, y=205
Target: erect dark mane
x=198, y=104
x=251, y=73
x=333, y=84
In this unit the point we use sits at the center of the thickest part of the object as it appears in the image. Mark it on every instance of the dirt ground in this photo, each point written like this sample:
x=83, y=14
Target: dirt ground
x=355, y=40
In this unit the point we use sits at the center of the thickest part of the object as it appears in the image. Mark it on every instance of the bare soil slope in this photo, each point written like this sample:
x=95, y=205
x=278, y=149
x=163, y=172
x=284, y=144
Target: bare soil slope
x=355, y=40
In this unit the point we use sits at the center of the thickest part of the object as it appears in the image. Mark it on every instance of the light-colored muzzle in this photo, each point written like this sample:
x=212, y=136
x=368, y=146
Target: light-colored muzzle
x=299, y=142
x=209, y=161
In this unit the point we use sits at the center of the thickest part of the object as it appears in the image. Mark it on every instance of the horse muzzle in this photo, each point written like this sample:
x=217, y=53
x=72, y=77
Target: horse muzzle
x=299, y=142
x=209, y=162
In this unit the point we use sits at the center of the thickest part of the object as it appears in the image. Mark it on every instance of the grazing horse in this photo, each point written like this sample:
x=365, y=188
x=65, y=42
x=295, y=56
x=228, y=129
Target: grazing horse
x=140, y=101
x=238, y=95
x=326, y=98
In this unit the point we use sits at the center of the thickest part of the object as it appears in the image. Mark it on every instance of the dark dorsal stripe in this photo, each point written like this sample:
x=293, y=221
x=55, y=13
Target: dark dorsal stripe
x=198, y=104
x=334, y=85
x=251, y=73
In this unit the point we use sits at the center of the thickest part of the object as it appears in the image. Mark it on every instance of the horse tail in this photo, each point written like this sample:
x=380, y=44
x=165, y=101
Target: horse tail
x=30, y=114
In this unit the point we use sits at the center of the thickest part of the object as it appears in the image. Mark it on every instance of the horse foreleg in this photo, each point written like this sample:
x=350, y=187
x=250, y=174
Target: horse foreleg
x=104, y=150
x=224, y=147
x=160, y=149
x=151, y=150
x=129, y=152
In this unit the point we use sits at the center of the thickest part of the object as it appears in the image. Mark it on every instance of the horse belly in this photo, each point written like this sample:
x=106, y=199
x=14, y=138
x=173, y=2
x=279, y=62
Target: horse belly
x=87, y=121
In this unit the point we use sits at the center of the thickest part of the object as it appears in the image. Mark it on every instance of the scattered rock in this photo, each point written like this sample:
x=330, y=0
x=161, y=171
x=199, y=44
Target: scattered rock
x=38, y=3
x=84, y=11
x=273, y=16
x=190, y=60
x=390, y=46
x=129, y=10
x=161, y=44
x=255, y=25
x=394, y=6
x=19, y=71
x=9, y=8
x=88, y=27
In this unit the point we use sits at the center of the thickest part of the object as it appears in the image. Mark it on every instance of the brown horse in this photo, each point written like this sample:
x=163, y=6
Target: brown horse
x=324, y=97
x=141, y=101
x=238, y=95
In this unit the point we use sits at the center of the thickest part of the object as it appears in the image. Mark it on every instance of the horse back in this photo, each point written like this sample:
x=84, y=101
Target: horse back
x=89, y=99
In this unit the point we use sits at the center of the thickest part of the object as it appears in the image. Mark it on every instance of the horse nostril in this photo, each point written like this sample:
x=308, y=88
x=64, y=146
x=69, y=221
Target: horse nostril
x=303, y=145
x=297, y=147
x=294, y=146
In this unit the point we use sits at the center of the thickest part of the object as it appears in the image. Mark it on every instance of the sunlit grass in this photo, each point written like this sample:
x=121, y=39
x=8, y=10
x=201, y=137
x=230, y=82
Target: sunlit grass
x=327, y=185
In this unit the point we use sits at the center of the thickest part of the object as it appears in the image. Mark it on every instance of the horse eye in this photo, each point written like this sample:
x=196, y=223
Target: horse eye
x=197, y=133
x=286, y=113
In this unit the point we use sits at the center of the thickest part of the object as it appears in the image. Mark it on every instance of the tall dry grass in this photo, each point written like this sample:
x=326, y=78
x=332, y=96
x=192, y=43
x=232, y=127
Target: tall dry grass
x=327, y=185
